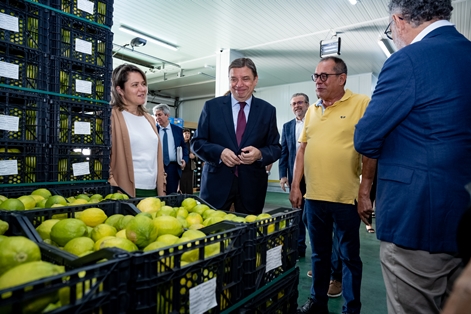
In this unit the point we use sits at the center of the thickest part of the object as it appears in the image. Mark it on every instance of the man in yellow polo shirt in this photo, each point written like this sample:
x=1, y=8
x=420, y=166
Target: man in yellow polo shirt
x=334, y=194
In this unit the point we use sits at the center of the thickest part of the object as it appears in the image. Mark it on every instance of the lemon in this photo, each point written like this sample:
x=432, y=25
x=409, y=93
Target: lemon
x=114, y=220
x=37, y=198
x=55, y=199
x=155, y=246
x=96, y=197
x=124, y=222
x=194, y=218
x=43, y=192
x=67, y=229
x=79, y=201
x=44, y=229
x=190, y=255
x=196, y=226
x=41, y=203
x=182, y=212
x=141, y=231
x=80, y=245
x=183, y=221
x=239, y=219
x=3, y=227
x=167, y=211
x=188, y=203
x=149, y=205
x=28, y=272
x=207, y=213
x=82, y=197
x=169, y=239
x=121, y=234
x=93, y=216
x=212, y=220
x=12, y=204
x=250, y=218
x=200, y=209
x=103, y=230
x=96, y=247
x=168, y=225
x=121, y=243
x=3, y=198
x=17, y=250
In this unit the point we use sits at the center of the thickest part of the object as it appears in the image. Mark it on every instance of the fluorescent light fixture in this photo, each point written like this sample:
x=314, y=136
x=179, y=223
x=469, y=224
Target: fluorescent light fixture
x=330, y=47
x=353, y=2
x=386, y=46
x=157, y=41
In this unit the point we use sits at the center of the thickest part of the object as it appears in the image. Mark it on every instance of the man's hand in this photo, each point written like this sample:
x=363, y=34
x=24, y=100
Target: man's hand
x=249, y=155
x=295, y=197
x=284, y=183
x=183, y=164
x=229, y=158
x=364, y=208
x=192, y=156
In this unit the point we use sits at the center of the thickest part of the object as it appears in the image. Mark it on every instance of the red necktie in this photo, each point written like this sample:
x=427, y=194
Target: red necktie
x=241, y=123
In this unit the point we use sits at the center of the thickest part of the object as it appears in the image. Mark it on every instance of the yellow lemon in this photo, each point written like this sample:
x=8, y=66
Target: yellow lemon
x=44, y=229
x=67, y=229
x=17, y=250
x=149, y=205
x=93, y=216
x=12, y=204
x=79, y=245
x=103, y=230
x=43, y=192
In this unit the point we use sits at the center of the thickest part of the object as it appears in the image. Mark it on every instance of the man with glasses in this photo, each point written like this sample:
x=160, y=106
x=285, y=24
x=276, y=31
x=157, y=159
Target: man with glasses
x=418, y=126
x=334, y=195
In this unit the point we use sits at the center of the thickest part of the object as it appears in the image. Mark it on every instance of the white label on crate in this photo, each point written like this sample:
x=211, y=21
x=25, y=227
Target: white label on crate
x=9, y=22
x=9, y=70
x=9, y=123
x=203, y=297
x=85, y=5
x=83, y=86
x=8, y=167
x=83, y=46
x=81, y=127
x=273, y=258
x=81, y=168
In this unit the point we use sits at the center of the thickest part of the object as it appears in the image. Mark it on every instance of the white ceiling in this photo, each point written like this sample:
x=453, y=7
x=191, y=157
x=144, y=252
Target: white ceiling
x=282, y=38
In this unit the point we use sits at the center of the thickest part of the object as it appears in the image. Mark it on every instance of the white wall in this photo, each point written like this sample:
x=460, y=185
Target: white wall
x=280, y=96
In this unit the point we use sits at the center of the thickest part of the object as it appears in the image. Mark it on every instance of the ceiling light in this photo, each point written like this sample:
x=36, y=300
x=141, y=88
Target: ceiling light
x=353, y=2
x=157, y=41
x=386, y=46
x=330, y=47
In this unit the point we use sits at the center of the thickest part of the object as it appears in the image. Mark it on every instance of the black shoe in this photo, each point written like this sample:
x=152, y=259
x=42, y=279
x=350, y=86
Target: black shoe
x=301, y=253
x=310, y=308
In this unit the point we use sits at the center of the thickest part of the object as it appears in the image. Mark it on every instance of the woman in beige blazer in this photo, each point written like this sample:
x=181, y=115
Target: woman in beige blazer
x=136, y=151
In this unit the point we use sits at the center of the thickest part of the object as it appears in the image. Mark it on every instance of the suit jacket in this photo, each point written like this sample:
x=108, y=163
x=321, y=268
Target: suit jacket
x=288, y=150
x=216, y=132
x=179, y=141
x=121, y=166
x=418, y=126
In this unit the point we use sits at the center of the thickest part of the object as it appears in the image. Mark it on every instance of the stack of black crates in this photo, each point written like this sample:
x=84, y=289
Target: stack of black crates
x=55, y=81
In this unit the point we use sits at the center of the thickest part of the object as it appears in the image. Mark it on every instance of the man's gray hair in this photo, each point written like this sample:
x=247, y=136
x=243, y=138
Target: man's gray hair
x=162, y=107
x=306, y=97
x=417, y=12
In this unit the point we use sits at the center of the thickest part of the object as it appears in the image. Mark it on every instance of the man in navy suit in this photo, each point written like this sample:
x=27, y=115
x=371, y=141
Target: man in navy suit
x=174, y=139
x=237, y=136
x=418, y=126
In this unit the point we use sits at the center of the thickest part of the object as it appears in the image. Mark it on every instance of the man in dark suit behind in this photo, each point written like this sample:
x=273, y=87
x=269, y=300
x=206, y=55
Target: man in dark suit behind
x=235, y=172
x=174, y=140
x=418, y=126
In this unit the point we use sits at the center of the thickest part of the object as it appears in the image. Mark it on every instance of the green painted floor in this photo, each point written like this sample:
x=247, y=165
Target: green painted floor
x=373, y=293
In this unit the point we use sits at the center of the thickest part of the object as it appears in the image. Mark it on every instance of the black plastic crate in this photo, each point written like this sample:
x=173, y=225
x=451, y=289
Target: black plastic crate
x=275, y=240
x=279, y=296
x=80, y=41
x=32, y=111
x=28, y=67
x=32, y=25
x=106, y=282
x=90, y=163
x=97, y=11
x=161, y=281
x=79, y=123
x=28, y=160
x=81, y=81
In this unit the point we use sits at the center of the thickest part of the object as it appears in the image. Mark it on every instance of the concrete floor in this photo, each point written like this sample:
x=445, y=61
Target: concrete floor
x=373, y=293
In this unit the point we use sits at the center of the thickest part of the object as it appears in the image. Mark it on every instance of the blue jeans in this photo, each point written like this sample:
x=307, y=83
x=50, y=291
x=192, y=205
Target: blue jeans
x=336, y=262
x=320, y=218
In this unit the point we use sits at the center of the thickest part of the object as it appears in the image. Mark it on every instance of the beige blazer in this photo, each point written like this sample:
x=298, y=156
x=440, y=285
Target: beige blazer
x=121, y=167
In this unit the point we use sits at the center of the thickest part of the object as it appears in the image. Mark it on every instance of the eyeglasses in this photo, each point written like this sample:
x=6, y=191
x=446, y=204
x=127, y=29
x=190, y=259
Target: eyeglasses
x=388, y=30
x=299, y=103
x=323, y=76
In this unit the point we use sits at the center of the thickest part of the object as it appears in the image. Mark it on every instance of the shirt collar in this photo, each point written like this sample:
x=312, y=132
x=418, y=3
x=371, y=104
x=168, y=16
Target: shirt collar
x=235, y=102
x=431, y=28
x=348, y=93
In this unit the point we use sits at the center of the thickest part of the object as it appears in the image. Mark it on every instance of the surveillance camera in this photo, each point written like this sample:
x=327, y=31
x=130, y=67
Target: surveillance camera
x=138, y=42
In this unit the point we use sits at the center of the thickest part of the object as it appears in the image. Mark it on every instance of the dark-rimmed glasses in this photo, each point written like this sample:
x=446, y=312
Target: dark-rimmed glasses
x=388, y=31
x=322, y=76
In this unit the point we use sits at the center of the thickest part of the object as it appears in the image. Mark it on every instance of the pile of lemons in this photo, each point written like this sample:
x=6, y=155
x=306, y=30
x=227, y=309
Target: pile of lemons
x=43, y=198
